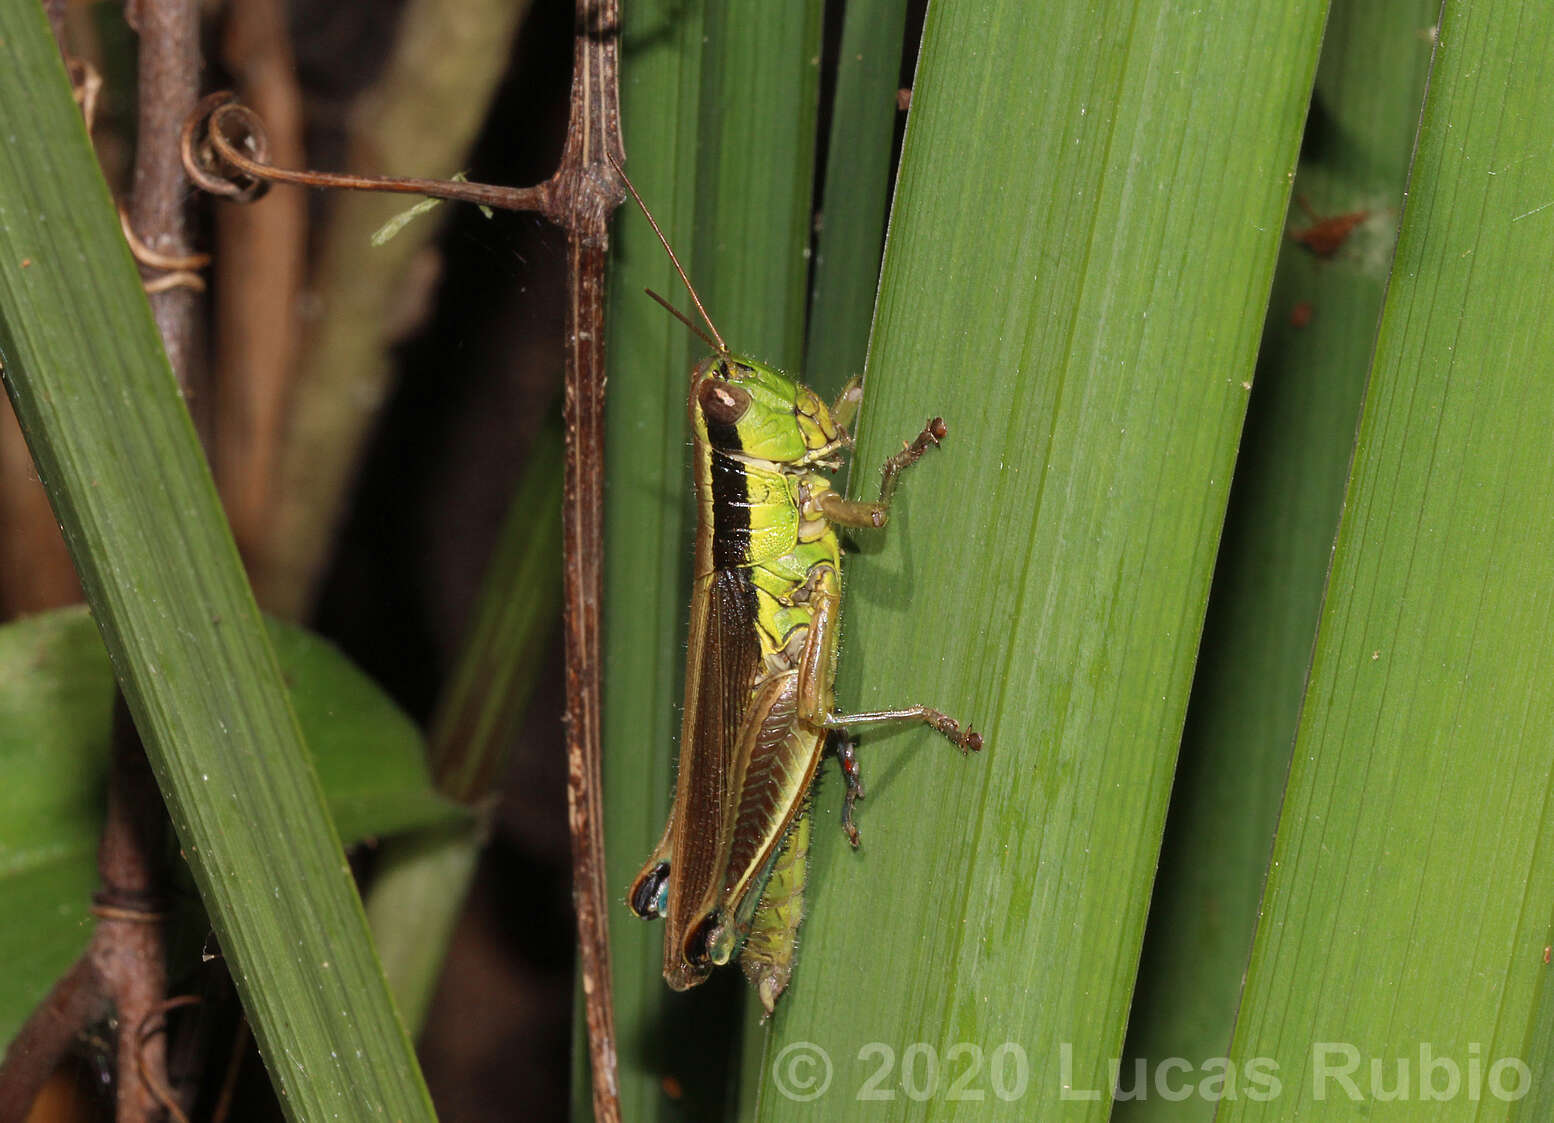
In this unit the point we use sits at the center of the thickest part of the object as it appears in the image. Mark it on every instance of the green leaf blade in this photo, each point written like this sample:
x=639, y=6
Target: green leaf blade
x=1081, y=298
x=115, y=448
x=1413, y=849
x=855, y=198
x=1273, y=561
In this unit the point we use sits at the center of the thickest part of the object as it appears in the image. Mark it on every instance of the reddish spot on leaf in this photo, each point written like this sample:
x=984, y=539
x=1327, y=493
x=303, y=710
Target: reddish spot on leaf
x=1300, y=314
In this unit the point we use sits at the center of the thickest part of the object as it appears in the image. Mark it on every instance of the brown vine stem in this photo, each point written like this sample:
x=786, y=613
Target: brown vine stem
x=127, y=946
x=169, y=76
x=224, y=150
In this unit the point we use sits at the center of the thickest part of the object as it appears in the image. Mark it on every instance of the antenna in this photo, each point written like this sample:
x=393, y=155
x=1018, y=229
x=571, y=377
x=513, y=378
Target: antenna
x=717, y=339
x=679, y=315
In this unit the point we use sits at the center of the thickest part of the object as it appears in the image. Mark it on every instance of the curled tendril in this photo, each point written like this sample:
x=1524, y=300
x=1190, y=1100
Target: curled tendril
x=226, y=152
x=132, y=907
x=85, y=86
x=175, y=271
x=219, y=126
x=153, y=1023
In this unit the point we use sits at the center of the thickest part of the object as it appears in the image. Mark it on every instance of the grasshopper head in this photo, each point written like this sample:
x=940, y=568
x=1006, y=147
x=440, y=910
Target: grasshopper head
x=745, y=407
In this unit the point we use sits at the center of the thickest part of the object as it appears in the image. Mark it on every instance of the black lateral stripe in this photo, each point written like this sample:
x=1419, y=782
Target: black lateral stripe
x=730, y=504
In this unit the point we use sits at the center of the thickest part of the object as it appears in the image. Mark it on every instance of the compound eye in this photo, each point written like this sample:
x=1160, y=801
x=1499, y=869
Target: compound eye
x=722, y=403
x=650, y=896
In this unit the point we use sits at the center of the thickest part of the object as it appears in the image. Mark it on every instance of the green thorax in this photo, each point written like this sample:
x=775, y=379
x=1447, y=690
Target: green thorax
x=760, y=440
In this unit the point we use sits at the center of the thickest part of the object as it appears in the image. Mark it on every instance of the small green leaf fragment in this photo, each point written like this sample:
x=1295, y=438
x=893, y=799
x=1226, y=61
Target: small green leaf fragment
x=385, y=233
x=393, y=226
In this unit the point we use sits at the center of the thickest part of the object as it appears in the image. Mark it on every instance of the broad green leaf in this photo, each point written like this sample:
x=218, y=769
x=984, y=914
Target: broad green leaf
x=1083, y=236
x=1273, y=559
x=115, y=448
x=370, y=757
x=56, y=706
x=46, y=930
x=1407, y=910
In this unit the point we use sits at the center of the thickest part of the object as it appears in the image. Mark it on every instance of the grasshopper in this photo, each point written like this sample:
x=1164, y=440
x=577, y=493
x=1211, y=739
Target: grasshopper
x=728, y=874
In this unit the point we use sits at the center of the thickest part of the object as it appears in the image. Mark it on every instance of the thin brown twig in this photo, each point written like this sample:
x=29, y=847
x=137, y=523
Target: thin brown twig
x=591, y=189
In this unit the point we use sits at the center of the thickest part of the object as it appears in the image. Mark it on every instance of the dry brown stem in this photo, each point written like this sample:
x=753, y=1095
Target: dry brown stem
x=260, y=271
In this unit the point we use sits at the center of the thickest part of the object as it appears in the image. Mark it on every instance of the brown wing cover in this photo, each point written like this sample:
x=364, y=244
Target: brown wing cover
x=725, y=658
